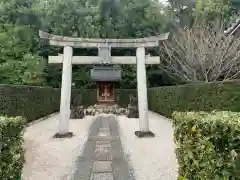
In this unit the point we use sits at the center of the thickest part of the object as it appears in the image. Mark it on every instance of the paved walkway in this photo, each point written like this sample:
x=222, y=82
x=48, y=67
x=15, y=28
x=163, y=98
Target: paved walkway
x=103, y=156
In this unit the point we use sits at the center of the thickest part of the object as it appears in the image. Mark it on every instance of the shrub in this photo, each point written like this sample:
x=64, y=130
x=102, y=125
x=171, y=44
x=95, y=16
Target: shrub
x=28, y=101
x=11, y=148
x=122, y=96
x=223, y=96
x=85, y=97
x=207, y=145
x=33, y=102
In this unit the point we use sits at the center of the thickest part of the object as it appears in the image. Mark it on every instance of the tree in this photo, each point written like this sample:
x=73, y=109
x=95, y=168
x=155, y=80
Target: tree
x=104, y=19
x=19, y=60
x=210, y=11
x=181, y=11
x=20, y=21
x=187, y=12
x=202, y=54
x=17, y=64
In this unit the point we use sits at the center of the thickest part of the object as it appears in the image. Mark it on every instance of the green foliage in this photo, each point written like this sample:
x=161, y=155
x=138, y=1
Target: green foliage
x=210, y=10
x=29, y=102
x=28, y=70
x=188, y=12
x=104, y=19
x=36, y=102
x=208, y=144
x=20, y=21
x=122, y=96
x=17, y=64
x=11, y=147
x=85, y=97
x=195, y=97
x=182, y=11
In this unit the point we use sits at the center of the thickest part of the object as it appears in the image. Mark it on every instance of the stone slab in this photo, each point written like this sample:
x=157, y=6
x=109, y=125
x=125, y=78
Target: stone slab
x=105, y=125
x=103, y=138
x=105, y=129
x=103, y=133
x=102, y=176
x=102, y=144
x=102, y=166
x=103, y=154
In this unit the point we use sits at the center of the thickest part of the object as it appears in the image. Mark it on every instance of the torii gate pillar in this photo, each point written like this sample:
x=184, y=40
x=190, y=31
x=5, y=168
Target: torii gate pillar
x=66, y=92
x=142, y=94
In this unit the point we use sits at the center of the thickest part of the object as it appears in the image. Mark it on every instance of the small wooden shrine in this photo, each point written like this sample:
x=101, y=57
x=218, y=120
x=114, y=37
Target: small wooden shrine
x=106, y=77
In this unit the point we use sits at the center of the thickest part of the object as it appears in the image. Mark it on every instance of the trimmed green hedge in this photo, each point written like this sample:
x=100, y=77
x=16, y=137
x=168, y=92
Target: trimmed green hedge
x=29, y=102
x=208, y=145
x=11, y=148
x=85, y=97
x=122, y=96
x=195, y=97
x=36, y=102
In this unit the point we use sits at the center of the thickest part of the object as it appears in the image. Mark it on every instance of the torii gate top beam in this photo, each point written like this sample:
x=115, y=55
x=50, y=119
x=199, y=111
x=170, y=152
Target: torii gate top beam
x=57, y=40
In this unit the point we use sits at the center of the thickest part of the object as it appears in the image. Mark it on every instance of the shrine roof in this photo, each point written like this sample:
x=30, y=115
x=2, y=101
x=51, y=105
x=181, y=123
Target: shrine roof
x=57, y=40
x=104, y=73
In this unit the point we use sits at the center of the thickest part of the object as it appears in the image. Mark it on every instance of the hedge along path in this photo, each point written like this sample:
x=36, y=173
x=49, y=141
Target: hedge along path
x=11, y=150
x=220, y=96
x=103, y=156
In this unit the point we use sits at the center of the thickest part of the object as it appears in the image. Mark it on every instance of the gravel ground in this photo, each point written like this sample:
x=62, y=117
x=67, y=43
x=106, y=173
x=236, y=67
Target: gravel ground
x=151, y=158
x=53, y=159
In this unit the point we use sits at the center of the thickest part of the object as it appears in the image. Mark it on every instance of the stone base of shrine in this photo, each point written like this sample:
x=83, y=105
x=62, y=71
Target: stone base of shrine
x=67, y=135
x=142, y=134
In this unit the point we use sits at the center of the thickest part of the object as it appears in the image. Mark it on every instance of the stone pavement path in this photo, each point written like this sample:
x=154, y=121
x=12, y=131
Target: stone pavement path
x=103, y=157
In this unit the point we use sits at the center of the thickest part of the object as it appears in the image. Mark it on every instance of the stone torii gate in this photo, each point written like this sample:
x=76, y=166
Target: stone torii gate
x=104, y=57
